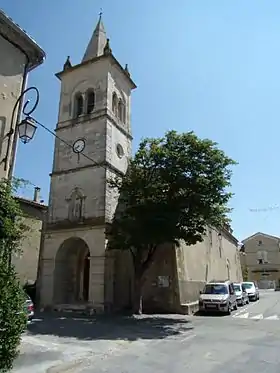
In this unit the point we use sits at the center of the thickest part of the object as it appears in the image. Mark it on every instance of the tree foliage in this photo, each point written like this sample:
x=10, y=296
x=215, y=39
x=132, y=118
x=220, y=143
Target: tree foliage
x=244, y=272
x=12, y=318
x=173, y=188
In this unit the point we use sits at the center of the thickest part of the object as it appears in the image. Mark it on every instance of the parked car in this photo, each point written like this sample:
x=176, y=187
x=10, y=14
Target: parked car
x=241, y=294
x=252, y=290
x=29, y=308
x=218, y=296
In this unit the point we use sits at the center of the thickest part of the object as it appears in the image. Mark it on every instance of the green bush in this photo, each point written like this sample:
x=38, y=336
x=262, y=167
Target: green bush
x=13, y=319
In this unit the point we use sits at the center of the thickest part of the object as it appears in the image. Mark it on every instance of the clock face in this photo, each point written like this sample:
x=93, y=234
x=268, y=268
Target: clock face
x=79, y=146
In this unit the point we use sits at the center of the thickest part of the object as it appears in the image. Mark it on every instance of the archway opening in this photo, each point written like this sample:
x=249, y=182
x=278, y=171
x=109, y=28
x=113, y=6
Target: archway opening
x=72, y=272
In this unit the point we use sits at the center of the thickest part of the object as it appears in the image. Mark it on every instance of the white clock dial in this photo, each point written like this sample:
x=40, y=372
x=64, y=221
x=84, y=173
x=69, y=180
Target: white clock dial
x=79, y=146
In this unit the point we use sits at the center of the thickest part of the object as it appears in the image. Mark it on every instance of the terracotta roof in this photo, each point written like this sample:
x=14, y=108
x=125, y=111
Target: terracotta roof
x=13, y=33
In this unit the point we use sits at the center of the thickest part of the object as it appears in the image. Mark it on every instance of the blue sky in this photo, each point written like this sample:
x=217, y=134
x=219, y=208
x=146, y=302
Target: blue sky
x=208, y=66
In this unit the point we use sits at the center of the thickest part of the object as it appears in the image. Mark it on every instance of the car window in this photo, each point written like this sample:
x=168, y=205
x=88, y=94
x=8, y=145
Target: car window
x=237, y=287
x=215, y=289
x=248, y=285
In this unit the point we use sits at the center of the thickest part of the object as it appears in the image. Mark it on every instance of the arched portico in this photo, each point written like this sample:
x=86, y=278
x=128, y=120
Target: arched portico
x=72, y=272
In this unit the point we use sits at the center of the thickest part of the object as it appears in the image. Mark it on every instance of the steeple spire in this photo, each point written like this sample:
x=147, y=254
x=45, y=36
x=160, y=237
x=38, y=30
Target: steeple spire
x=97, y=42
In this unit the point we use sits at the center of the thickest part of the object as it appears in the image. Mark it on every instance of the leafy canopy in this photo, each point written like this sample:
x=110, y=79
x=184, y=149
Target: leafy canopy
x=173, y=188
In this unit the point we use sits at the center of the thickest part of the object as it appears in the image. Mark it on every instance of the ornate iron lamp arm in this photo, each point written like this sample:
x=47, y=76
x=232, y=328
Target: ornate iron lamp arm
x=27, y=112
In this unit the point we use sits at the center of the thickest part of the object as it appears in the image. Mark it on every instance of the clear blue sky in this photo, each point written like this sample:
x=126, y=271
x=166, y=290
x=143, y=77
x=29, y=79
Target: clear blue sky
x=208, y=66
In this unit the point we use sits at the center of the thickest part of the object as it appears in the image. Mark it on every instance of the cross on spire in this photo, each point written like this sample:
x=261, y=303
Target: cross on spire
x=97, y=42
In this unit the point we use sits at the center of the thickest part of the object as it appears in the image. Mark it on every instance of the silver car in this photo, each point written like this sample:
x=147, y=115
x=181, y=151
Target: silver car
x=218, y=296
x=241, y=294
x=252, y=290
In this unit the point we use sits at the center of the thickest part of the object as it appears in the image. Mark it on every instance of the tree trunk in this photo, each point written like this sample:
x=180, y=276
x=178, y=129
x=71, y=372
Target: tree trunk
x=137, y=296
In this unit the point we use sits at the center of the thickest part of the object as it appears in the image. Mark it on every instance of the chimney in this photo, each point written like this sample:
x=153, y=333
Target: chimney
x=36, y=197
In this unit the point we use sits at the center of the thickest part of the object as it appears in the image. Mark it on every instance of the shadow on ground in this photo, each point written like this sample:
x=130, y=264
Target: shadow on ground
x=109, y=327
x=212, y=314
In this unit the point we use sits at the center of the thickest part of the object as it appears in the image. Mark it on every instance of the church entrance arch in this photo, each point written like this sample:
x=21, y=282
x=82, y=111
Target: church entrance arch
x=71, y=274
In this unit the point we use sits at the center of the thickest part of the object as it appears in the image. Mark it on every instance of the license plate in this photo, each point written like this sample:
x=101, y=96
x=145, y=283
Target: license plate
x=211, y=306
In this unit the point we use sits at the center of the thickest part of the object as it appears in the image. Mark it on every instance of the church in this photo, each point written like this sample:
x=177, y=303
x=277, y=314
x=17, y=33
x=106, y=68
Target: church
x=76, y=271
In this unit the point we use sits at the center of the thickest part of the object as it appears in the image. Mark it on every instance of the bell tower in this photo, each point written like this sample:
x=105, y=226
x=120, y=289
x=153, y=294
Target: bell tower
x=93, y=144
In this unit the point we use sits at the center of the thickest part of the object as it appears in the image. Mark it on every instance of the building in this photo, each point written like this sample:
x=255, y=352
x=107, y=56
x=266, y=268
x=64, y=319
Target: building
x=76, y=271
x=27, y=259
x=94, y=116
x=261, y=258
x=19, y=55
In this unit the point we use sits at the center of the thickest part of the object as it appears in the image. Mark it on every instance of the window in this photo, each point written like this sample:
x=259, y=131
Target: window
x=260, y=243
x=120, y=110
x=79, y=105
x=262, y=257
x=215, y=289
x=115, y=103
x=90, y=101
x=120, y=151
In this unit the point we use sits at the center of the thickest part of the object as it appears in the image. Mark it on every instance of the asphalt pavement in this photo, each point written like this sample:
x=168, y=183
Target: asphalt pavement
x=248, y=340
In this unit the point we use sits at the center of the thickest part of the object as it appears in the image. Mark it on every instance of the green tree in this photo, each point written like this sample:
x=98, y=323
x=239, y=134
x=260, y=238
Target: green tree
x=244, y=273
x=173, y=188
x=12, y=318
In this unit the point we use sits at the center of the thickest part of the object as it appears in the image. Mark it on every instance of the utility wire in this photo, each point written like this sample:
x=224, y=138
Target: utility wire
x=67, y=143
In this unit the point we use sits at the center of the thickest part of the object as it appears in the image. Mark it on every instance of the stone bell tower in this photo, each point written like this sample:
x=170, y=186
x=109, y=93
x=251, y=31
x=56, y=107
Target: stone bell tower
x=95, y=132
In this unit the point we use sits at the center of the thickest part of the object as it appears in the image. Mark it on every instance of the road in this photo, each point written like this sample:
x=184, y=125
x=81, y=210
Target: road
x=248, y=340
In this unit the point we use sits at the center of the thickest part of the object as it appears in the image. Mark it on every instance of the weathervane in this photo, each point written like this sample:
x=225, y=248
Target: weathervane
x=101, y=12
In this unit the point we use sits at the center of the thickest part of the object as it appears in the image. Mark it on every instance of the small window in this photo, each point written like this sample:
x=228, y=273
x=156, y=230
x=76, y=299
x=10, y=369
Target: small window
x=120, y=151
x=120, y=110
x=90, y=102
x=115, y=103
x=79, y=103
x=260, y=243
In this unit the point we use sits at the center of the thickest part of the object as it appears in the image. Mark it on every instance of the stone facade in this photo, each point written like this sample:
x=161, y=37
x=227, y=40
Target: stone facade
x=19, y=54
x=94, y=109
x=26, y=261
x=177, y=274
x=261, y=257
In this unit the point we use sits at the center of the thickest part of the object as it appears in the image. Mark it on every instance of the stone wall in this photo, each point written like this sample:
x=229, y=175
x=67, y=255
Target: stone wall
x=177, y=274
x=216, y=258
x=26, y=260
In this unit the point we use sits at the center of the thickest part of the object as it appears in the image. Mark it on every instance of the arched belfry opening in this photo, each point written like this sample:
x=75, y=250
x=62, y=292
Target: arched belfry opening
x=72, y=272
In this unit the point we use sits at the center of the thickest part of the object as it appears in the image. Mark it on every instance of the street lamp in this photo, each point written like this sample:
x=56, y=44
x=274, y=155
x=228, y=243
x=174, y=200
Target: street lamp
x=27, y=127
